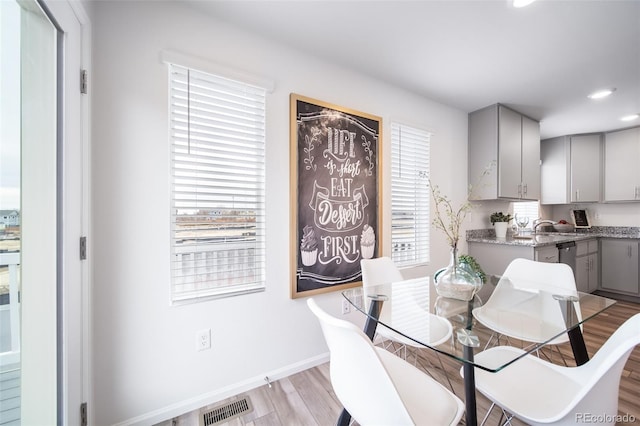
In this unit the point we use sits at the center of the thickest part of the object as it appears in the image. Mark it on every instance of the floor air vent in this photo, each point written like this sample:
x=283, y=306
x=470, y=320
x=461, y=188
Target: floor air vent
x=226, y=412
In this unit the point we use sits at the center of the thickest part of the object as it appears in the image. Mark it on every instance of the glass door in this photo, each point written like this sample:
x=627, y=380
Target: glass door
x=28, y=213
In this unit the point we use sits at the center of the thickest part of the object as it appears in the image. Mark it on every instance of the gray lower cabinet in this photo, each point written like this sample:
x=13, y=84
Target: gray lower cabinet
x=620, y=267
x=587, y=265
x=494, y=258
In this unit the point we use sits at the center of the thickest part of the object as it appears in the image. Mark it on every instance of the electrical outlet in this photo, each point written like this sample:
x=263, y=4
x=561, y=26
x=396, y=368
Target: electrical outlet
x=203, y=340
x=346, y=307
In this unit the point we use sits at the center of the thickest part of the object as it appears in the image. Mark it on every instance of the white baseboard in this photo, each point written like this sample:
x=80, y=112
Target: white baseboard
x=182, y=407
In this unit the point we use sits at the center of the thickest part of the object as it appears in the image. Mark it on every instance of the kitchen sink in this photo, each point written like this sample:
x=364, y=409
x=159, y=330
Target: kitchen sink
x=523, y=237
x=545, y=237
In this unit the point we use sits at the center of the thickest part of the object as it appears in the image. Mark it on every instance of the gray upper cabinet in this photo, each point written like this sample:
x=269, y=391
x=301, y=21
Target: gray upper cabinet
x=585, y=168
x=554, y=171
x=509, y=143
x=621, y=165
x=571, y=169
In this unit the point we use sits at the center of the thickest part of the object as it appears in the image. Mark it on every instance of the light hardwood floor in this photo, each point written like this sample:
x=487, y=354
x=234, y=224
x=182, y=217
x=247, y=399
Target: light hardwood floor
x=306, y=398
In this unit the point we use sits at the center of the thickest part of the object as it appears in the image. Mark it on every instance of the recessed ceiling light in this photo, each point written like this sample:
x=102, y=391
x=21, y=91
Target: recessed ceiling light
x=630, y=117
x=522, y=3
x=601, y=93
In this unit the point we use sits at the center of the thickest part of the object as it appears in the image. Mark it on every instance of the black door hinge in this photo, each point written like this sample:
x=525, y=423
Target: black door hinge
x=83, y=248
x=83, y=81
x=83, y=414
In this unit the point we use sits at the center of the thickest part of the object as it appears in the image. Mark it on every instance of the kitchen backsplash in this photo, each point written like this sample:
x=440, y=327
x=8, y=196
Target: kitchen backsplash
x=600, y=214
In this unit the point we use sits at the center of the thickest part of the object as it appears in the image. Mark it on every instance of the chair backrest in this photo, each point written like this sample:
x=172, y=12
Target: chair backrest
x=541, y=275
x=552, y=278
x=378, y=271
x=600, y=377
x=358, y=376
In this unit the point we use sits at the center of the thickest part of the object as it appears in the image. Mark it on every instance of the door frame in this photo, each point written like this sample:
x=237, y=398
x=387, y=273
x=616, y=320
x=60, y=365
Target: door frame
x=74, y=284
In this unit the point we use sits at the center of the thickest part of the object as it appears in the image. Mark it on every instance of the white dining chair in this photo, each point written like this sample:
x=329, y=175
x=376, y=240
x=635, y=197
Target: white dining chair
x=541, y=393
x=432, y=329
x=378, y=271
x=509, y=313
x=377, y=387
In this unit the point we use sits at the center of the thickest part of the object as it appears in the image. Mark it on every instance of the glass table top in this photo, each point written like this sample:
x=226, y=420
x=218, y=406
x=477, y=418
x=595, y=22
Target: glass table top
x=528, y=315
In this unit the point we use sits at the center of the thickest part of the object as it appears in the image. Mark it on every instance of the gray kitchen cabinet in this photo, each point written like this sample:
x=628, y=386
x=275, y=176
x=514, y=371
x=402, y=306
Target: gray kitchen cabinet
x=585, y=168
x=620, y=268
x=547, y=254
x=621, y=160
x=587, y=265
x=508, y=143
x=494, y=258
x=571, y=169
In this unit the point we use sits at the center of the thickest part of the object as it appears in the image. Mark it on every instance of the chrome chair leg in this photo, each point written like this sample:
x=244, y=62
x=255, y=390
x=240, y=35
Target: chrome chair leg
x=503, y=415
x=486, y=416
x=417, y=363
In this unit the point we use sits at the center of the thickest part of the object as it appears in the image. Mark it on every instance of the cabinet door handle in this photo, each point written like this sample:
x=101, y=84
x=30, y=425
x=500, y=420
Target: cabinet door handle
x=525, y=189
x=520, y=190
x=577, y=194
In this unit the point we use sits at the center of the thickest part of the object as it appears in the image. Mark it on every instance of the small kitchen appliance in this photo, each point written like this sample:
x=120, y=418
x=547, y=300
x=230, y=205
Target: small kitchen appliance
x=580, y=219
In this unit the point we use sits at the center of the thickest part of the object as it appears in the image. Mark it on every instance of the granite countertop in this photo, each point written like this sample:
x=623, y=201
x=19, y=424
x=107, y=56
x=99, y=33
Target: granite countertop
x=552, y=238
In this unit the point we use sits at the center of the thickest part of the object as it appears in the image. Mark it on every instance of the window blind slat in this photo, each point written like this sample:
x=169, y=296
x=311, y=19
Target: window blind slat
x=217, y=131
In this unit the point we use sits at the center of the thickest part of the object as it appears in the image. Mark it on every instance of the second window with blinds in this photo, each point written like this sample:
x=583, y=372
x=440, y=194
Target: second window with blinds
x=217, y=188
x=410, y=218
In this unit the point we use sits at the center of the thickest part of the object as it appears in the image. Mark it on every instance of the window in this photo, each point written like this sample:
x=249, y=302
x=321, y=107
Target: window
x=410, y=217
x=217, y=185
x=526, y=209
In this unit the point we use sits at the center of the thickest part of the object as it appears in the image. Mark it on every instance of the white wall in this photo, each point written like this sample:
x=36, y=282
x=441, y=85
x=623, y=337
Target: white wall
x=145, y=365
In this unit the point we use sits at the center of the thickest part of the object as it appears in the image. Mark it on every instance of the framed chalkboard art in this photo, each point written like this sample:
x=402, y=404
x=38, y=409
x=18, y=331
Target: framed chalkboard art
x=335, y=195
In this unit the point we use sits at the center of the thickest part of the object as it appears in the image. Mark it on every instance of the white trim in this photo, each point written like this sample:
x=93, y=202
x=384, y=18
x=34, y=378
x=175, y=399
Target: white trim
x=191, y=404
x=173, y=57
x=87, y=265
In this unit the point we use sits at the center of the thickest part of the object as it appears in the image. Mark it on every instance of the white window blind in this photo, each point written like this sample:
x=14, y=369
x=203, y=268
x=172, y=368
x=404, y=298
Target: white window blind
x=528, y=209
x=410, y=218
x=217, y=189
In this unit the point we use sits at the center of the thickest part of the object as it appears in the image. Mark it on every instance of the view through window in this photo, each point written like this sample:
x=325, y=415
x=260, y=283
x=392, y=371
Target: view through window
x=525, y=212
x=217, y=158
x=410, y=218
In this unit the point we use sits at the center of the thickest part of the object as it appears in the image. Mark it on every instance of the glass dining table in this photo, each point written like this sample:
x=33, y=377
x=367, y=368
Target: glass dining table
x=530, y=317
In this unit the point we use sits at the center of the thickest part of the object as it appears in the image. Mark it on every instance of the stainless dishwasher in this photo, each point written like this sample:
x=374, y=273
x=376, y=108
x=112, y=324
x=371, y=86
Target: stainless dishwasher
x=567, y=254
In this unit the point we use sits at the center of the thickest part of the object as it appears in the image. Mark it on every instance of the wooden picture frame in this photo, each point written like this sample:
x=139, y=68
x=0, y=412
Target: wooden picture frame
x=336, y=213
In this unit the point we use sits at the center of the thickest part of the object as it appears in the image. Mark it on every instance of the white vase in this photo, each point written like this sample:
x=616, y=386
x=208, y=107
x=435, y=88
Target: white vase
x=501, y=229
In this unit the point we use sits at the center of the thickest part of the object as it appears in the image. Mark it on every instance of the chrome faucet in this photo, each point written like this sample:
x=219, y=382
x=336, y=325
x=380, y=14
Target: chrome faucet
x=539, y=222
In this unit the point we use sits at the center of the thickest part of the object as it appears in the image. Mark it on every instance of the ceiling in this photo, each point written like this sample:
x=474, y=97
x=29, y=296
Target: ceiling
x=542, y=60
